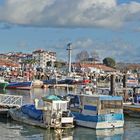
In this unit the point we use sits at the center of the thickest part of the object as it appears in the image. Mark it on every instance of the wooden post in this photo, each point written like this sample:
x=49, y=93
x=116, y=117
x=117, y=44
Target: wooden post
x=112, y=85
x=138, y=76
x=125, y=87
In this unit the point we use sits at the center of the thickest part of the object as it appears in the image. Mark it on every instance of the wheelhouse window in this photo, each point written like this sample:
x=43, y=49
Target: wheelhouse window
x=111, y=104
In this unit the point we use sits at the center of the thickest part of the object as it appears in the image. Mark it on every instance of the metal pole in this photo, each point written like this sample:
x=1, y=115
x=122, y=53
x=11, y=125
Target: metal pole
x=125, y=86
x=69, y=56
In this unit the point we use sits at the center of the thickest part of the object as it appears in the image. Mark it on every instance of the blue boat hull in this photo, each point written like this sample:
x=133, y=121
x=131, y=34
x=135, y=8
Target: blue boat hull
x=20, y=85
x=99, y=121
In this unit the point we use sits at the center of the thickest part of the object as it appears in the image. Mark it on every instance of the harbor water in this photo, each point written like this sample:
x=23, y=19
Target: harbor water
x=11, y=130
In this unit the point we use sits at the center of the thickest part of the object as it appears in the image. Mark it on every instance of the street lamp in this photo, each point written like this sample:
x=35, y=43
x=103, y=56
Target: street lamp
x=69, y=56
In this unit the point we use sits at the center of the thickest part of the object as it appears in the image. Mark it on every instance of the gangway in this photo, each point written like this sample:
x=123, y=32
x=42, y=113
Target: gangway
x=10, y=100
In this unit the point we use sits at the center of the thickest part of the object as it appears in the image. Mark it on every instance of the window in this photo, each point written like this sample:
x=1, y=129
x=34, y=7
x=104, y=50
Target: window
x=111, y=104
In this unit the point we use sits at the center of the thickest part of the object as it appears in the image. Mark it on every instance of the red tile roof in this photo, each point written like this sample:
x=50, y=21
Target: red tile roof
x=8, y=63
x=133, y=66
x=98, y=66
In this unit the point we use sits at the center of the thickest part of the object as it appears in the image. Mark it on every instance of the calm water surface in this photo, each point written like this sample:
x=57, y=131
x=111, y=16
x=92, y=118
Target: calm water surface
x=11, y=130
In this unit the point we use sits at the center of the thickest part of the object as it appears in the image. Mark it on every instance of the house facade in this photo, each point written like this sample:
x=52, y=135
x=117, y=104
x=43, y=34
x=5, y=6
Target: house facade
x=94, y=68
x=42, y=57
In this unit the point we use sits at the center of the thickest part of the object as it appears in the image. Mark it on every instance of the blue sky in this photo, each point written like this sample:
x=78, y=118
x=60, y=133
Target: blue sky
x=107, y=27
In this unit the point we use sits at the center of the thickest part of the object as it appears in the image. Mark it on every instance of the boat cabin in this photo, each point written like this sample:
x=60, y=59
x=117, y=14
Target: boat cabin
x=55, y=112
x=100, y=103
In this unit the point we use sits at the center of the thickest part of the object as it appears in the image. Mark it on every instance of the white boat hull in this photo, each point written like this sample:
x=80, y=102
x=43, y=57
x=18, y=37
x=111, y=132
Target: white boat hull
x=100, y=125
x=26, y=88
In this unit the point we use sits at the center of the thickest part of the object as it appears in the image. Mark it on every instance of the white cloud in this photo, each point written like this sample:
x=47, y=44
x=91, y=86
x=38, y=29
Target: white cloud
x=68, y=13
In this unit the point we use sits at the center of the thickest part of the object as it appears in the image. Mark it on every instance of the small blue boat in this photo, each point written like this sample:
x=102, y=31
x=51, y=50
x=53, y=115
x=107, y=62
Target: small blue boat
x=20, y=85
x=97, y=111
x=52, y=113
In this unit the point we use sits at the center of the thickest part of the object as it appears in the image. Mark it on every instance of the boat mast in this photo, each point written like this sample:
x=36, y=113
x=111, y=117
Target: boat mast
x=69, y=56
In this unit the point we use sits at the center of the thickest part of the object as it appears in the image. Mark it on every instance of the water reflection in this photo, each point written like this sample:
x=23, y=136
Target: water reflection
x=11, y=130
x=39, y=134
x=30, y=95
x=15, y=131
x=132, y=128
x=90, y=134
x=2, y=91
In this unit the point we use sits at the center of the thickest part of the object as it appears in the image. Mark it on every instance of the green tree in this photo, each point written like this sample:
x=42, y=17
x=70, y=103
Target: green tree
x=83, y=55
x=29, y=61
x=108, y=61
x=95, y=55
x=59, y=64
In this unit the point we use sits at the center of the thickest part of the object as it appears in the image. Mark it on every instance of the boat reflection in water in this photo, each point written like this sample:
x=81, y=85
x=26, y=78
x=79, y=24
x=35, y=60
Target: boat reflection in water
x=11, y=130
x=104, y=134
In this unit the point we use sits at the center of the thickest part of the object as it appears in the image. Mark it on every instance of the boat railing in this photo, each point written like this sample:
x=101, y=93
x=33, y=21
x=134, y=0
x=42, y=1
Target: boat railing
x=10, y=100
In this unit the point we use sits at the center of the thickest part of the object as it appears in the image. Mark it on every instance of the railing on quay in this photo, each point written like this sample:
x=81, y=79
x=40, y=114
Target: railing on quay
x=10, y=100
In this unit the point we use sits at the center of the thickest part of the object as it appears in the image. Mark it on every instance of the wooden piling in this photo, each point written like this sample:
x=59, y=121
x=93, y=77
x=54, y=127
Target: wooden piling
x=125, y=86
x=112, y=85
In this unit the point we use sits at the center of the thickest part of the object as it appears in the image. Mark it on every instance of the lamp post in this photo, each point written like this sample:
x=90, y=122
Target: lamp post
x=69, y=56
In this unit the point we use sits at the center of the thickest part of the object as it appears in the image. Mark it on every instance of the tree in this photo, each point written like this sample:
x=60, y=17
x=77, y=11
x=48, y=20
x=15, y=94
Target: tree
x=59, y=64
x=95, y=55
x=82, y=55
x=108, y=61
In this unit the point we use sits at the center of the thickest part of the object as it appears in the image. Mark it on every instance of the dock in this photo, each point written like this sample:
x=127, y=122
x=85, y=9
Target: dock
x=64, y=86
x=9, y=101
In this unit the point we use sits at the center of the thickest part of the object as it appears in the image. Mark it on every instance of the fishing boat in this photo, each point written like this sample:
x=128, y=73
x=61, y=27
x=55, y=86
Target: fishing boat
x=132, y=110
x=37, y=83
x=132, y=106
x=132, y=81
x=97, y=111
x=53, y=113
x=3, y=83
x=27, y=85
x=87, y=89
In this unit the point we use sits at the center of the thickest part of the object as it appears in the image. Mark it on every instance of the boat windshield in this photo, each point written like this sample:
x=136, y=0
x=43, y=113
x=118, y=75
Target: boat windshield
x=111, y=104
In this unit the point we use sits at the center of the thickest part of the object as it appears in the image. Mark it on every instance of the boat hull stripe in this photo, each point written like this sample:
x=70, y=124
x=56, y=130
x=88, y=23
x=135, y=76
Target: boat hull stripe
x=99, y=118
x=89, y=107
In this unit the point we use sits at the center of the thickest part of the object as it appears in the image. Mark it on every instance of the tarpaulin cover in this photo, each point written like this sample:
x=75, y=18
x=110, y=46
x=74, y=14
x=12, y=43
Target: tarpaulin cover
x=32, y=112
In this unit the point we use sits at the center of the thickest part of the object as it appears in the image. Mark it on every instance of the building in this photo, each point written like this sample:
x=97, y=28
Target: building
x=3, y=56
x=7, y=65
x=91, y=61
x=94, y=68
x=42, y=57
